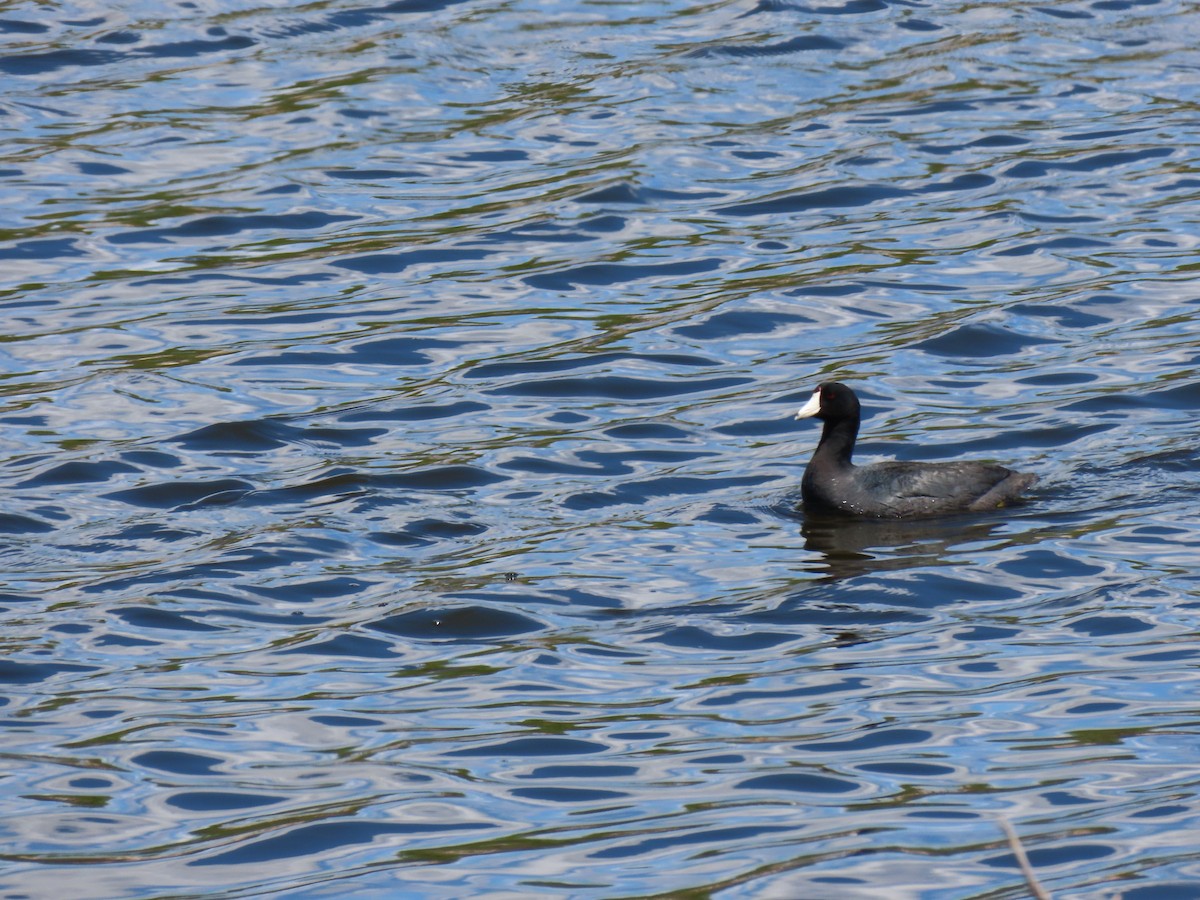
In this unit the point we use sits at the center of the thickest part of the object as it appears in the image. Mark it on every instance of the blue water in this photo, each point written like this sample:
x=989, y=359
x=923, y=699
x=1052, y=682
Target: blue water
x=400, y=483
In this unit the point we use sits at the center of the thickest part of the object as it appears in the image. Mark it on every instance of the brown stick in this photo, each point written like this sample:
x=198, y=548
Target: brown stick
x=1014, y=842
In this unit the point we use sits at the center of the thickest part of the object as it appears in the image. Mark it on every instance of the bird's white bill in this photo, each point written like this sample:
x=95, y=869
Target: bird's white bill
x=812, y=407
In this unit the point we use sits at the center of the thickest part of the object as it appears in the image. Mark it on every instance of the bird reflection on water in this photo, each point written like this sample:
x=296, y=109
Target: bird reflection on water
x=851, y=547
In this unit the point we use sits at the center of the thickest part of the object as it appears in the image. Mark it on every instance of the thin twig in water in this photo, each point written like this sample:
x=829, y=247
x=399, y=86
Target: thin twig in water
x=1014, y=842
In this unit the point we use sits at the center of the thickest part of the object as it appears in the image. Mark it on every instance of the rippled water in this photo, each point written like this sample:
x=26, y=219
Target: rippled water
x=399, y=474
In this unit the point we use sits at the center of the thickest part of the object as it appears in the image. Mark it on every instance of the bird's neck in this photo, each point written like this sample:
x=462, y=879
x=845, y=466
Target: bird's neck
x=837, y=441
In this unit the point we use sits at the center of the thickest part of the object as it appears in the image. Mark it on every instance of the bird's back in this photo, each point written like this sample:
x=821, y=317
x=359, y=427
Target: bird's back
x=910, y=489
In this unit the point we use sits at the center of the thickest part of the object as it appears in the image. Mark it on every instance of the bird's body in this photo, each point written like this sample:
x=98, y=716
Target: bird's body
x=832, y=482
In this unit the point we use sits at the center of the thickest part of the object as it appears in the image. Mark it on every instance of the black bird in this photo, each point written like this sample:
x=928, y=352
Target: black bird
x=832, y=483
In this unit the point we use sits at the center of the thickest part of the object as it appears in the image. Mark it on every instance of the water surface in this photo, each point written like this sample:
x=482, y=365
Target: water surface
x=400, y=485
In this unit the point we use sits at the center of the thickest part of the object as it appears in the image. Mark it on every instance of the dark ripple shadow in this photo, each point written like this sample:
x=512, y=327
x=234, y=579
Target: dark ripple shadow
x=602, y=385
x=649, y=847
x=15, y=523
x=359, y=18
x=319, y=840
x=43, y=248
x=799, y=44
x=981, y=341
x=218, y=801
x=78, y=472
x=180, y=494
x=345, y=646
x=607, y=464
x=850, y=685
x=389, y=351
x=571, y=795
x=227, y=225
x=849, y=8
x=353, y=174
x=241, y=278
x=694, y=637
x=333, y=587
x=730, y=325
x=1097, y=162
x=827, y=198
x=638, y=492
x=618, y=387
x=855, y=195
x=525, y=367
x=334, y=484
x=604, y=274
x=427, y=532
x=178, y=762
x=800, y=782
x=255, y=436
x=552, y=233
x=422, y=412
x=21, y=26
x=1061, y=243
x=162, y=619
x=1175, y=397
x=533, y=747
x=1070, y=14
x=458, y=624
x=13, y=672
x=626, y=193
x=395, y=263
x=52, y=60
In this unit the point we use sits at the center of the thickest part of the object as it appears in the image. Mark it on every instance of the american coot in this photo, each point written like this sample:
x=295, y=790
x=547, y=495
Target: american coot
x=892, y=489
